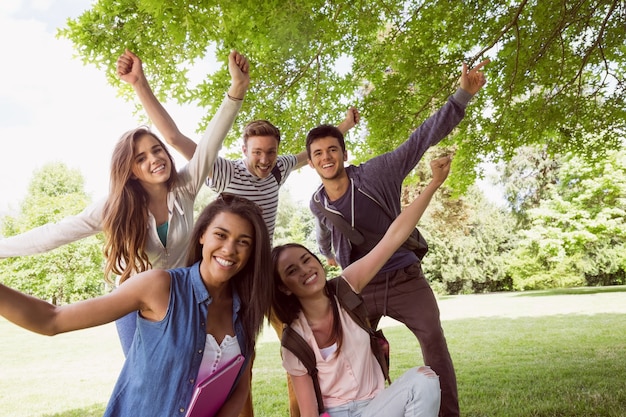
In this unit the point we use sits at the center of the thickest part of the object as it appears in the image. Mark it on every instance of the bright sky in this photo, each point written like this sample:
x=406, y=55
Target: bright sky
x=53, y=108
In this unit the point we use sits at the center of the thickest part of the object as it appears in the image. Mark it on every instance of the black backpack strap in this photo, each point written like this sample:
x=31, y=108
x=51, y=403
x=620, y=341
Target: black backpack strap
x=277, y=174
x=355, y=306
x=352, y=302
x=298, y=346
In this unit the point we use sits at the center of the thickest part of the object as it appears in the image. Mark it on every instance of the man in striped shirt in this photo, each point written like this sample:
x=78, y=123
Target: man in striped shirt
x=260, y=174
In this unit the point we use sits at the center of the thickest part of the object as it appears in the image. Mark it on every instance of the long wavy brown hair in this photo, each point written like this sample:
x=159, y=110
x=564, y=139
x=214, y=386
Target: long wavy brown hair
x=125, y=217
x=254, y=283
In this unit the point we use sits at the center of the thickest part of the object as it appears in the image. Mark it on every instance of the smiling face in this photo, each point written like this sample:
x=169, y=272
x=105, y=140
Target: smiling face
x=327, y=158
x=151, y=164
x=261, y=153
x=300, y=272
x=227, y=243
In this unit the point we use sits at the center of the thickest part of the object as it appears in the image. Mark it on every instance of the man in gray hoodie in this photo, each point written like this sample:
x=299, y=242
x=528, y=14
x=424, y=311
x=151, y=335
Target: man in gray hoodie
x=355, y=205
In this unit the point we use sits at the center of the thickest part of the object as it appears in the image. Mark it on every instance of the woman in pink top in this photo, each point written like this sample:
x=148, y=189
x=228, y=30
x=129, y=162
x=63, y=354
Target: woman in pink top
x=351, y=380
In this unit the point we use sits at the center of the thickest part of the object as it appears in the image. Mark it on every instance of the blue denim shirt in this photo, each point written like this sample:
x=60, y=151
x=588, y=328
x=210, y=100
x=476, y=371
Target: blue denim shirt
x=160, y=371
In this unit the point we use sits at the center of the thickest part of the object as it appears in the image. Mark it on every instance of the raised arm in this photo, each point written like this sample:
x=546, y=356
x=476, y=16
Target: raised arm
x=359, y=273
x=52, y=235
x=429, y=133
x=129, y=69
x=351, y=120
x=148, y=291
x=200, y=166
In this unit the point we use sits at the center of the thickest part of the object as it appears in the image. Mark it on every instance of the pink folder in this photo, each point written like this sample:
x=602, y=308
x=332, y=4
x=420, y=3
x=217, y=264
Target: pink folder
x=210, y=394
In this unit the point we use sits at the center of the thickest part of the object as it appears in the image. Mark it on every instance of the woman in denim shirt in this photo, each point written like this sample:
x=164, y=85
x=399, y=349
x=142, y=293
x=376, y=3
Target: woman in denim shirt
x=185, y=314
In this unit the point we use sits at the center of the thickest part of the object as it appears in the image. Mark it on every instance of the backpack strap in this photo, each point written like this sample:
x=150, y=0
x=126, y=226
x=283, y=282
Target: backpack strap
x=298, y=346
x=277, y=174
x=415, y=242
x=355, y=306
x=342, y=224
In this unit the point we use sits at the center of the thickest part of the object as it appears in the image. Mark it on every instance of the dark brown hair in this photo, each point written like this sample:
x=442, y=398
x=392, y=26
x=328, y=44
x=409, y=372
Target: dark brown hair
x=323, y=131
x=287, y=307
x=253, y=283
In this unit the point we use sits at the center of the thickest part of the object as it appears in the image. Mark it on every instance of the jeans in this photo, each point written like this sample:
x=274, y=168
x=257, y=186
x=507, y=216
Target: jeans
x=415, y=394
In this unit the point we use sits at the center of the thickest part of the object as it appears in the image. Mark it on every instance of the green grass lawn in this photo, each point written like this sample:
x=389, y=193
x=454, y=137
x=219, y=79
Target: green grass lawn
x=560, y=365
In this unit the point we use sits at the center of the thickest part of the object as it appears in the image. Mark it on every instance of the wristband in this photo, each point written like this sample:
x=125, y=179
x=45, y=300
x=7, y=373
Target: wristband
x=234, y=98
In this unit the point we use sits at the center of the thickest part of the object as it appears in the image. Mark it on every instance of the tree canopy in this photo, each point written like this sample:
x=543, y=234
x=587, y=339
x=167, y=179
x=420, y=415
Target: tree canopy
x=556, y=75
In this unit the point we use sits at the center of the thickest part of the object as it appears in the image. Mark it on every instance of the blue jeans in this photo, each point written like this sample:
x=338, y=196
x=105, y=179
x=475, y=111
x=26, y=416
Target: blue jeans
x=415, y=394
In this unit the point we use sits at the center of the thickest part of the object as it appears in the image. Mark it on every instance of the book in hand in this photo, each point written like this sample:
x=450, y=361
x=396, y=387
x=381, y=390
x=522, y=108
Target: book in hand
x=210, y=394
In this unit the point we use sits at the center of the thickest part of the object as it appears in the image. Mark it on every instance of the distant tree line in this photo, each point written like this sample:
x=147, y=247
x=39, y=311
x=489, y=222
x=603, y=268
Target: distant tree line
x=563, y=226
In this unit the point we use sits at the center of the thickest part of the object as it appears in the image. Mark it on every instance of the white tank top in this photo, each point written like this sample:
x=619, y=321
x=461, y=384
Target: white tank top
x=216, y=356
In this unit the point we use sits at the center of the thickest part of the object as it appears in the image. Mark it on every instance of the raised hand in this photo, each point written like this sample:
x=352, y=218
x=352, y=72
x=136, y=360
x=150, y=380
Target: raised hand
x=129, y=67
x=352, y=117
x=239, y=67
x=472, y=80
x=440, y=168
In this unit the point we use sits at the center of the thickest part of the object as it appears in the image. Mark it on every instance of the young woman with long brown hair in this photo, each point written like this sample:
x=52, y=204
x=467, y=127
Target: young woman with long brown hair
x=148, y=214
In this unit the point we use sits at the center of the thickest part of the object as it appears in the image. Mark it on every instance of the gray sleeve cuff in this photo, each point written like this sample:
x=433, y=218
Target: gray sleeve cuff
x=462, y=97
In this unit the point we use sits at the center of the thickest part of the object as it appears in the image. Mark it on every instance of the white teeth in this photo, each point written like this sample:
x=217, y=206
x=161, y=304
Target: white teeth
x=327, y=165
x=223, y=262
x=159, y=168
x=309, y=279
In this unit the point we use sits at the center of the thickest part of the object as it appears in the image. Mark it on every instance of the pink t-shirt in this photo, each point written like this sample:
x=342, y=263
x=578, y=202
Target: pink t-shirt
x=352, y=375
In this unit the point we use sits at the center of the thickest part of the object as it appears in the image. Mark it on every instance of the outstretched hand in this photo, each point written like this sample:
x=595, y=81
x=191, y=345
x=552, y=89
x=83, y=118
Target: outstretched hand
x=129, y=67
x=472, y=80
x=441, y=169
x=239, y=67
